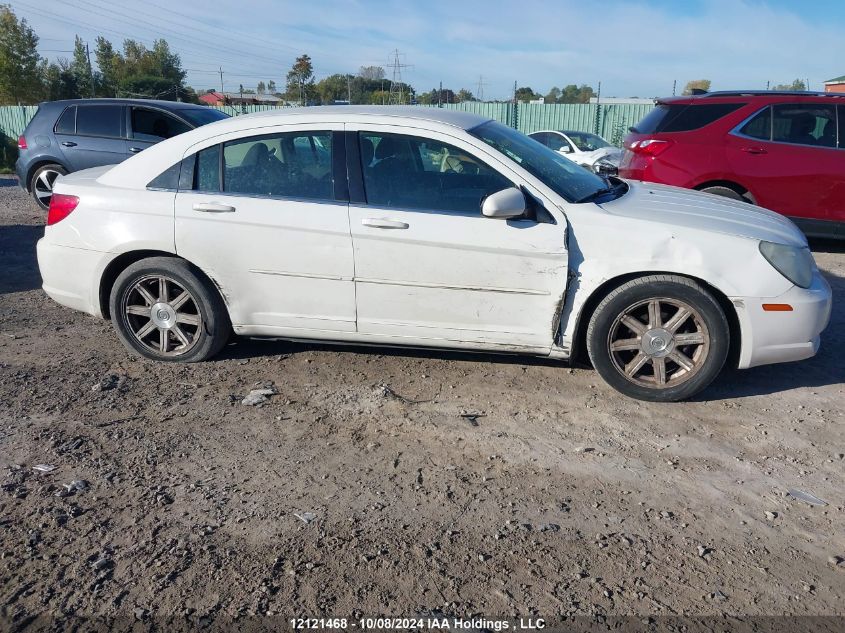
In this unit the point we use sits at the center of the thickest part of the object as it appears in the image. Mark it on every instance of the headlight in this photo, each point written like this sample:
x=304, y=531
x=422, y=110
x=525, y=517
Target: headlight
x=793, y=262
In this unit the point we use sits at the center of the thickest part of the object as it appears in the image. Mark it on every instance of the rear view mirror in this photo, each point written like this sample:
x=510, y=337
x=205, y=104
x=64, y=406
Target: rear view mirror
x=504, y=204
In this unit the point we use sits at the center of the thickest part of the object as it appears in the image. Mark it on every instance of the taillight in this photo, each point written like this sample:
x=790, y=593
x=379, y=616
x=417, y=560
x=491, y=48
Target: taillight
x=21, y=142
x=650, y=146
x=61, y=206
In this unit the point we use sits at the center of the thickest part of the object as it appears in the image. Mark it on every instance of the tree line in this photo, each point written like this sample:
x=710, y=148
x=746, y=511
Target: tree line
x=135, y=71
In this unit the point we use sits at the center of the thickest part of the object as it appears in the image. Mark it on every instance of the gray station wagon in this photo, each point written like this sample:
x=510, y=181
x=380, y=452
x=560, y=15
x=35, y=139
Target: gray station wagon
x=66, y=136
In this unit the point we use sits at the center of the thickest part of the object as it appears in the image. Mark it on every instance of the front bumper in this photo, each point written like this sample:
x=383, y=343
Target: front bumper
x=67, y=275
x=779, y=337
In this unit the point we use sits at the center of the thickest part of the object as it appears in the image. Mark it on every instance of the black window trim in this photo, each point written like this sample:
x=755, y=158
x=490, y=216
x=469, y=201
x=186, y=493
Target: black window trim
x=838, y=109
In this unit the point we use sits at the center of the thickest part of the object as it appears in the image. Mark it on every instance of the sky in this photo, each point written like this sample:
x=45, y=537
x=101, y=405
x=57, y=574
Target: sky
x=633, y=48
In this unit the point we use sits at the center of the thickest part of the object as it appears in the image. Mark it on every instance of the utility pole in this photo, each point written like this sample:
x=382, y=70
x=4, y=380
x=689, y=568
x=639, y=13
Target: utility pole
x=349, y=89
x=674, y=86
x=90, y=72
x=598, y=111
x=440, y=96
x=397, y=96
x=479, y=91
x=222, y=94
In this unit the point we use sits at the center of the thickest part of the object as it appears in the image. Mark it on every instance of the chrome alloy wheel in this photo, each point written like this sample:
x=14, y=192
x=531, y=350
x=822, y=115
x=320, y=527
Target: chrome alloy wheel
x=43, y=186
x=162, y=315
x=659, y=343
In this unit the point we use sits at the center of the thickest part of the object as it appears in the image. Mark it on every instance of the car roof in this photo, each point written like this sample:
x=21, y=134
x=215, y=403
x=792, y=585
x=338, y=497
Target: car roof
x=455, y=118
x=142, y=168
x=159, y=103
x=732, y=96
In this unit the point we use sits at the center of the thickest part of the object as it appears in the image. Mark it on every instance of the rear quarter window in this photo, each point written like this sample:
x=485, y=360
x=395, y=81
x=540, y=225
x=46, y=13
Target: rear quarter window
x=67, y=121
x=683, y=117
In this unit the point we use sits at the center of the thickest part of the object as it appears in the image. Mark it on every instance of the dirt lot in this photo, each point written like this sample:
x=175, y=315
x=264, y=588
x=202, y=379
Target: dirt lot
x=560, y=499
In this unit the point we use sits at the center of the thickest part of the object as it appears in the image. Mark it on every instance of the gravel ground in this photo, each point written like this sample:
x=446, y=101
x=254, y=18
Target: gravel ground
x=399, y=483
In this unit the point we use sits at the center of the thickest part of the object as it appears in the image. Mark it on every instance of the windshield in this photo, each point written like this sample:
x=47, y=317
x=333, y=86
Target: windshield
x=202, y=116
x=587, y=142
x=572, y=182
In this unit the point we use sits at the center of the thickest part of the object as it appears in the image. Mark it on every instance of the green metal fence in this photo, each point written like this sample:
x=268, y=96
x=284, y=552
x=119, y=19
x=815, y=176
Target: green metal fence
x=13, y=119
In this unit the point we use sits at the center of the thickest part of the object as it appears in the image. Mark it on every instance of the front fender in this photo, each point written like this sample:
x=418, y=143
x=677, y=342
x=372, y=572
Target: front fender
x=602, y=259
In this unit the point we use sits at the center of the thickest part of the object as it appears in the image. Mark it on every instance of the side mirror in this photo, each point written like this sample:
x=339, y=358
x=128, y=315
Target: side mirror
x=504, y=204
x=565, y=149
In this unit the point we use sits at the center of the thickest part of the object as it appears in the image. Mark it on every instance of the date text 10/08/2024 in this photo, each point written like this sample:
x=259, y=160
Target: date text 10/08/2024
x=423, y=623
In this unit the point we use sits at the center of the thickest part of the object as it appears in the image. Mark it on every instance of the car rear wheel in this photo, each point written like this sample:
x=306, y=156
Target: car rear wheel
x=163, y=310
x=661, y=338
x=42, y=183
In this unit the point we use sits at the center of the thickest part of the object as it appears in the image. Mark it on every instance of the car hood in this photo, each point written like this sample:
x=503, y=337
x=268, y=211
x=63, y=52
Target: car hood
x=703, y=211
x=612, y=155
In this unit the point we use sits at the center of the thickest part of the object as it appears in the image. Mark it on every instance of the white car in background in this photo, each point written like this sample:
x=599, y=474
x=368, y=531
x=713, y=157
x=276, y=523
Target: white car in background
x=427, y=228
x=586, y=149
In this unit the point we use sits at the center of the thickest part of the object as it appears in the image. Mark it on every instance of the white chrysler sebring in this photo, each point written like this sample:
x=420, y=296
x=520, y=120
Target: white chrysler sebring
x=427, y=228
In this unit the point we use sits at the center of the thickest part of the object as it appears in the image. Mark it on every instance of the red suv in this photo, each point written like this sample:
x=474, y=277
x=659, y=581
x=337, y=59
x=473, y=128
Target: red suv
x=781, y=150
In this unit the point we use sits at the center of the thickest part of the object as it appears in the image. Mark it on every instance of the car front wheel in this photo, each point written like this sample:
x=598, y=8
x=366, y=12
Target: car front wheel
x=164, y=310
x=661, y=338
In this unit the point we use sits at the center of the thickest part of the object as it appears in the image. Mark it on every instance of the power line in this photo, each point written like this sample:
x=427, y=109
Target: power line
x=133, y=21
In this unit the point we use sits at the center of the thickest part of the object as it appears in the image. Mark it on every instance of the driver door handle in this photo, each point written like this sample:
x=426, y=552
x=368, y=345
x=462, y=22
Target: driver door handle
x=213, y=207
x=382, y=223
x=68, y=144
x=135, y=150
x=754, y=150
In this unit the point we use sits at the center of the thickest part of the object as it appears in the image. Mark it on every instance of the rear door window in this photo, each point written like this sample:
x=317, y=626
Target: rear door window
x=155, y=125
x=683, y=117
x=804, y=124
x=291, y=165
x=541, y=137
x=67, y=121
x=100, y=120
x=556, y=142
x=760, y=125
x=208, y=170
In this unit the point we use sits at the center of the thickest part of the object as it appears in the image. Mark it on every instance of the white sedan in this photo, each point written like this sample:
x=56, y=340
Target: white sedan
x=583, y=148
x=426, y=228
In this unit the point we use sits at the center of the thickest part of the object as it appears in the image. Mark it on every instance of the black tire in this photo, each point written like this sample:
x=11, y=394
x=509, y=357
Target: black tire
x=206, y=326
x=41, y=183
x=725, y=192
x=659, y=346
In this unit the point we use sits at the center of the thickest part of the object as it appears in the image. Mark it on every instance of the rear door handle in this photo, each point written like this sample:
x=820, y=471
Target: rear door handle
x=135, y=150
x=382, y=223
x=754, y=150
x=68, y=144
x=213, y=207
